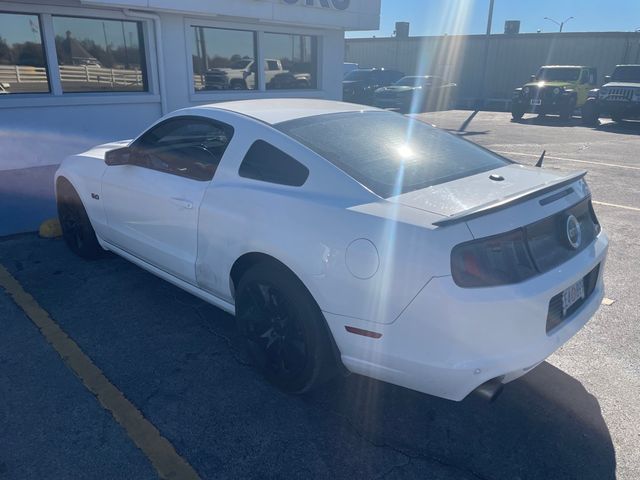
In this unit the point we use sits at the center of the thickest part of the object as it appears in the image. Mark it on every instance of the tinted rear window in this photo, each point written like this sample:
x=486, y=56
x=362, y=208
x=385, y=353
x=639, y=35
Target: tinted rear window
x=389, y=153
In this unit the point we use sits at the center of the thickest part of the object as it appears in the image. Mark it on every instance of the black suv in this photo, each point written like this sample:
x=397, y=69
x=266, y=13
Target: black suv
x=619, y=97
x=359, y=85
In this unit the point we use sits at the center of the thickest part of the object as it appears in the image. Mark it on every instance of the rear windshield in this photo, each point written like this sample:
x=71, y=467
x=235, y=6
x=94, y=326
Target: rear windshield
x=626, y=74
x=389, y=153
x=558, y=74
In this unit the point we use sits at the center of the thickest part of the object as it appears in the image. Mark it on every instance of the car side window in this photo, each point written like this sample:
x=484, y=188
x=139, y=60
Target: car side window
x=584, y=77
x=190, y=147
x=267, y=163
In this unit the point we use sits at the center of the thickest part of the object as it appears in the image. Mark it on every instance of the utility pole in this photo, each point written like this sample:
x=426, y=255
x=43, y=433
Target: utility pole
x=560, y=24
x=482, y=100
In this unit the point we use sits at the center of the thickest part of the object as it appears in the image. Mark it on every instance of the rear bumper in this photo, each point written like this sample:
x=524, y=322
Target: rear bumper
x=450, y=340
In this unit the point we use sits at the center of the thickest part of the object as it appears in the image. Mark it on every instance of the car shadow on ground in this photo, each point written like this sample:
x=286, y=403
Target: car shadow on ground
x=626, y=127
x=545, y=425
x=180, y=361
x=550, y=121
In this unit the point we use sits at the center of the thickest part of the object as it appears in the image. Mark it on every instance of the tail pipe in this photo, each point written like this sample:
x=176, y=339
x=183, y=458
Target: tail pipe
x=490, y=390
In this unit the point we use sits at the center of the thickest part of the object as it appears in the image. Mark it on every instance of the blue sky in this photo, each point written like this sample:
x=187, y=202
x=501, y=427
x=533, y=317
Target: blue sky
x=436, y=17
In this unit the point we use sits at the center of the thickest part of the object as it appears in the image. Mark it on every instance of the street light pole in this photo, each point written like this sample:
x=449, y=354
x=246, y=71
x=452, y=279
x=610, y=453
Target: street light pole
x=561, y=24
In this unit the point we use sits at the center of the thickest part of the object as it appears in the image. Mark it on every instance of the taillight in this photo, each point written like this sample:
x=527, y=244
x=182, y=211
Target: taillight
x=499, y=260
x=596, y=223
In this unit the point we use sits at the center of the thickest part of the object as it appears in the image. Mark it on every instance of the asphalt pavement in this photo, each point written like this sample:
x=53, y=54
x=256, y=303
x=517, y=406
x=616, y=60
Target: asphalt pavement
x=178, y=361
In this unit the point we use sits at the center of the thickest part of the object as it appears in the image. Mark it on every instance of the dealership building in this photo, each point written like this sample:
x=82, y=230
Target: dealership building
x=74, y=73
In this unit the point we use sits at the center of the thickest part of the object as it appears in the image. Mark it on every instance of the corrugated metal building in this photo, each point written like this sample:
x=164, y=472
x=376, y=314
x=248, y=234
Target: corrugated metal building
x=512, y=58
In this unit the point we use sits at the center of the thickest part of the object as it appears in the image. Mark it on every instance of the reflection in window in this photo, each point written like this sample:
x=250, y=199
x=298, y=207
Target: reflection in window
x=291, y=61
x=22, y=61
x=223, y=59
x=97, y=55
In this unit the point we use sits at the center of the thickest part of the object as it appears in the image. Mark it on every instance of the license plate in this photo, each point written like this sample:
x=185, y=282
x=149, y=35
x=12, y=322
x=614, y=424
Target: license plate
x=571, y=295
x=536, y=101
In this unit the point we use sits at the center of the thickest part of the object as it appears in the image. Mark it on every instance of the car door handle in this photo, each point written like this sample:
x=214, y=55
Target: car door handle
x=182, y=202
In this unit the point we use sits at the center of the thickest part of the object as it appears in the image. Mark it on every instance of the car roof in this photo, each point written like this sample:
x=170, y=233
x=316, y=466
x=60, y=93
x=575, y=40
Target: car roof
x=565, y=66
x=278, y=110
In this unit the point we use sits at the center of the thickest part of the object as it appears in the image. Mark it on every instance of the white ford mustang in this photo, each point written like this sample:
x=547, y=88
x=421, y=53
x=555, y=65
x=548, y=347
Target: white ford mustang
x=346, y=236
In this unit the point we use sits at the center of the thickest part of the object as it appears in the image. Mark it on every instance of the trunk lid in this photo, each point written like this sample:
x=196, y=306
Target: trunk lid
x=492, y=206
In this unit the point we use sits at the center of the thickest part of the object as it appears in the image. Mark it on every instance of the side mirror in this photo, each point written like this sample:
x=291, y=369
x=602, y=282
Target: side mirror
x=119, y=156
x=607, y=78
x=532, y=78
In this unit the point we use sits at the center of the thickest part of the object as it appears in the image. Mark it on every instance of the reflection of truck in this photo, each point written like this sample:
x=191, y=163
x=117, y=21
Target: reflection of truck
x=618, y=97
x=241, y=75
x=556, y=89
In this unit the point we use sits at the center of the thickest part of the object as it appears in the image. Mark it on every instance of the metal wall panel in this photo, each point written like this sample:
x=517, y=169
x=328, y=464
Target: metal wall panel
x=512, y=58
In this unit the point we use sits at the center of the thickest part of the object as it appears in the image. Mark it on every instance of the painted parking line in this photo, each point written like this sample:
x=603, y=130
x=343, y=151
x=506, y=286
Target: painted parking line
x=162, y=455
x=635, y=209
x=533, y=155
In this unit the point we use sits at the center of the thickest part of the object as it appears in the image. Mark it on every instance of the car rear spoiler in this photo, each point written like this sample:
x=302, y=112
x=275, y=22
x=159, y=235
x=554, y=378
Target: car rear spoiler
x=509, y=201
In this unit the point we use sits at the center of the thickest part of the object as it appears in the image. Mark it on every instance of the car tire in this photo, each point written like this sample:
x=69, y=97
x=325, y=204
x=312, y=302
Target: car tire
x=284, y=330
x=517, y=115
x=566, y=112
x=77, y=230
x=238, y=85
x=589, y=113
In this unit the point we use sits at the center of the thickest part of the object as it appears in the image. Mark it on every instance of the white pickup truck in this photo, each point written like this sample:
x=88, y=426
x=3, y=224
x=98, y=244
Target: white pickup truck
x=241, y=75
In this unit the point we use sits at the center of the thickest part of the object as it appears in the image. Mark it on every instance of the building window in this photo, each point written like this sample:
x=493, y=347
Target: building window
x=224, y=59
x=97, y=55
x=291, y=61
x=23, y=67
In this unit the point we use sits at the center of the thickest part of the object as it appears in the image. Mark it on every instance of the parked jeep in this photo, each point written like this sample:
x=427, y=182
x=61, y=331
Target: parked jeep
x=619, y=97
x=555, y=89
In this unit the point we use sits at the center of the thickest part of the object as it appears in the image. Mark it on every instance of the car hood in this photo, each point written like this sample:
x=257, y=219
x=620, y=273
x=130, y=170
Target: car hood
x=353, y=83
x=550, y=84
x=472, y=192
x=622, y=85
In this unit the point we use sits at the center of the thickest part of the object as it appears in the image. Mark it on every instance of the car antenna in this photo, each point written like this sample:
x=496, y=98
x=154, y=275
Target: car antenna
x=539, y=164
x=466, y=123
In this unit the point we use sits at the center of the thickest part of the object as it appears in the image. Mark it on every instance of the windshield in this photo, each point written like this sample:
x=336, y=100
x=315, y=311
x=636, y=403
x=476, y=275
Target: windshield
x=413, y=82
x=558, y=74
x=358, y=75
x=389, y=153
x=630, y=73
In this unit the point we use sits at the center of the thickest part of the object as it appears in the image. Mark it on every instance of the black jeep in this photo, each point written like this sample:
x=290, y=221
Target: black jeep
x=619, y=97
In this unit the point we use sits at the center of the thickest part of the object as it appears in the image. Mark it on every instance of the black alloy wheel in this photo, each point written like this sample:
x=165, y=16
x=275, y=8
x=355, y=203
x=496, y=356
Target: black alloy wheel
x=76, y=227
x=283, y=328
x=517, y=114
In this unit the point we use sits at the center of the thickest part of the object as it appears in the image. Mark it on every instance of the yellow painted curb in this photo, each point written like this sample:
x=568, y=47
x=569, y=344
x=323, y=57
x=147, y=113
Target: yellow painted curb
x=50, y=229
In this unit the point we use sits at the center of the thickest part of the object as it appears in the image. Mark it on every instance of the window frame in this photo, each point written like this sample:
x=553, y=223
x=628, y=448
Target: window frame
x=143, y=55
x=259, y=30
x=55, y=96
x=45, y=57
x=136, y=144
x=191, y=46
